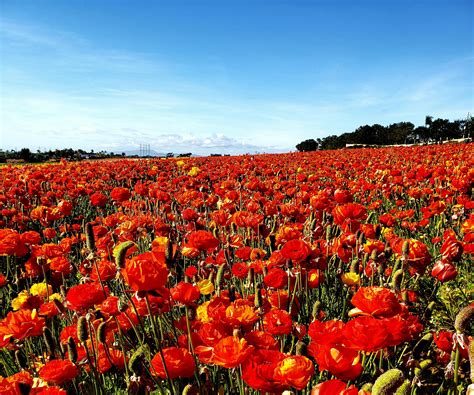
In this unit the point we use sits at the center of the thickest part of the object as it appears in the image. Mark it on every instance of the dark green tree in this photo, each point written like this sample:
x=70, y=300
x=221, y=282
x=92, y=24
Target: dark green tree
x=307, y=145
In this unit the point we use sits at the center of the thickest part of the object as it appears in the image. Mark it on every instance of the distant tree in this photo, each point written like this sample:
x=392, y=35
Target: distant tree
x=307, y=145
x=25, y=154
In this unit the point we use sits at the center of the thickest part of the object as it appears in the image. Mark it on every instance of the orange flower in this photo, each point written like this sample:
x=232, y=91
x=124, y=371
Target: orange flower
x=146, y=271
x=295, y=371
x=22, y=324
x=376, y=301
x=58, y=371
x=240, y=314
x=231, y=351
x=179, y=363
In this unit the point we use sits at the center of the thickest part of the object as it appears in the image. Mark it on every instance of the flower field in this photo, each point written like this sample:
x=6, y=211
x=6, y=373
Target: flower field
x=331, y=272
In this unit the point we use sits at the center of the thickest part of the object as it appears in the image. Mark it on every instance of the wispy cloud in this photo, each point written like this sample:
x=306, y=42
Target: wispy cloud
x=82, y=96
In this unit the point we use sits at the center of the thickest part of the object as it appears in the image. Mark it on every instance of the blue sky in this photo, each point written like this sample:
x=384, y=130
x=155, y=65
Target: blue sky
x=226, y=76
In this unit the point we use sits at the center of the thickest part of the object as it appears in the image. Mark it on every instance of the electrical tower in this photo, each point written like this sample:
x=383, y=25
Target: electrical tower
x=145, y=150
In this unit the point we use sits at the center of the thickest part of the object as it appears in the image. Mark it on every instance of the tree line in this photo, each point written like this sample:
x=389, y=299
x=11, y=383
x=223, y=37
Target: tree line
x=434, y=130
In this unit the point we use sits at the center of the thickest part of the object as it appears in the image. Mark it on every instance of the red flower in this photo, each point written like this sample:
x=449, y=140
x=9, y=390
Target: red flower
x=349, y=215
x=84, y=296
x=179, y=363
x=258, y=371
x=276, y=278
x=444, y=271
x=334, y=387
x=58, y=371
x=340, y=361
x=329, y=332
x=277, y=322
x=98, y=199
x=146, y=271
x=185, y=293
x=296, y=250
x=120, y=194
x=202, y=240
x=366, y=334
x=11, y=243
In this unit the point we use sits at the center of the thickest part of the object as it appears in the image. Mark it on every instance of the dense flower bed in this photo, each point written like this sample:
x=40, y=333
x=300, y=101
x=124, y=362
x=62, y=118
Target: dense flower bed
x=336, y=272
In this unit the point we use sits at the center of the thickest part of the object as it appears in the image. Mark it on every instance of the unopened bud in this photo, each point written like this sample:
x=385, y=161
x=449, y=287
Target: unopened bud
x=49, y=341
x=101, y=333
x=71, y=349
x=388, y=382
x=464, y=319
x=397, y=279
x=90, y=240
x=82, y=330
x=406, y=248
x=121, y=253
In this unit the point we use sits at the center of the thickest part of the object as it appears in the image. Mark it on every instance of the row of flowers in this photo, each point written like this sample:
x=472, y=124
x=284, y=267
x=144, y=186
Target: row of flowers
x=331, y=272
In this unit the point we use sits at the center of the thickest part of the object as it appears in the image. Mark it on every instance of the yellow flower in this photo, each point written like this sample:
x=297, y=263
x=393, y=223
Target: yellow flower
x=160, y=240
x=18, y=302
x=41, y=289
x=180, y=163
x=205, y=286
x=350, y=278
x=194, y=171
x=201, y=313
x=55, y=296
x=299, y=170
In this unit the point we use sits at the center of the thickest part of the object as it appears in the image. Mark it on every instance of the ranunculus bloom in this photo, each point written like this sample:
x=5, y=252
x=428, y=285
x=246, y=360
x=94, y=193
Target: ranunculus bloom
x=58, y=371
x=98, y=199
x=366, y=334
x=146, y=271
x=231, y=351
x=11, y=243
x=418, y=255
x=185, y=293
x=120, y=194
x=296, y=250
x=295, y=371
x=348, y=215
x=377, y=301
x=179, y=363
x=22, y=324
x=258, y=371
x=84, y=296
x=240, y=314
x=444, y=271
x=334, y=387
x=329, y=332
x=277, y=322
x=276, y=278
x=338, y=360
x=202, y=240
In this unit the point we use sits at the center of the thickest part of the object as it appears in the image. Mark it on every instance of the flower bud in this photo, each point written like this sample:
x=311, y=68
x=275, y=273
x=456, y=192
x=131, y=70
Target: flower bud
x=464, y=319
x=90, y=240
x=388, y=382
x=82, y=330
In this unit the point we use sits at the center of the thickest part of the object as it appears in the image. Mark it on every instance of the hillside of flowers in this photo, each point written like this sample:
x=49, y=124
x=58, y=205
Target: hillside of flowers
x=331, y=272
